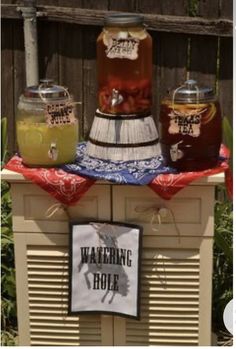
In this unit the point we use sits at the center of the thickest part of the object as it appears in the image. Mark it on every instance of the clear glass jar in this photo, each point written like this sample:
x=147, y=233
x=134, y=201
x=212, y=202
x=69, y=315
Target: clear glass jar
x=190, y=128
x=124, y=62
x=46, y=126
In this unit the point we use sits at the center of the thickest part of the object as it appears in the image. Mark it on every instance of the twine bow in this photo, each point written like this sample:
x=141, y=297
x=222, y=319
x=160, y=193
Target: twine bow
x=155, y=214
x=58, y=208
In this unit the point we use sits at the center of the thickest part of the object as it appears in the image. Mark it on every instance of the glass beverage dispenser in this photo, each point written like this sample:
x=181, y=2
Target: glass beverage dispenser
x=191, y=128
x=124, y=56
x=123, y=128
x=46, y=125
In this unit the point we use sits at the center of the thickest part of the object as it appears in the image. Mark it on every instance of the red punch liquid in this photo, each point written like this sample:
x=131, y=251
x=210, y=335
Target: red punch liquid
x=130, y=77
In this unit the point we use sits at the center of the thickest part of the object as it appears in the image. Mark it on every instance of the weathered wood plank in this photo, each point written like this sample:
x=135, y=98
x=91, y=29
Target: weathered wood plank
x=203, y=60
x=19, y=67
x=48, y=56
x=89, y=77
x=89, y=38
x=173, y=61
x=173, y=51
x=48, y=47
x=226, y=78
x=7, y=81
x=70, y=58
x=9, y=2
x=168, y=7
x=149, y=6
x=209, y=8
x=174, y=7
x=226, y=9
x=94, y=4
x=204, y=50
x=164, y=23
x=122, y=5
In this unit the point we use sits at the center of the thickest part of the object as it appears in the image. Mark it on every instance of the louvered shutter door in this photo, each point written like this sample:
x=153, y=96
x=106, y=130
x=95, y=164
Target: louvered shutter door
x=48, y=302
x=176, y=270
x=41, y=256
x=169, y=300
x=45, y=296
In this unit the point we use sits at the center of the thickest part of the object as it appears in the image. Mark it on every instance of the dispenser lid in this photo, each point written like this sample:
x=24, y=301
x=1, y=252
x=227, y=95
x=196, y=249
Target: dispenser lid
x=191, y=92
x=123, y=19
x=46, y=89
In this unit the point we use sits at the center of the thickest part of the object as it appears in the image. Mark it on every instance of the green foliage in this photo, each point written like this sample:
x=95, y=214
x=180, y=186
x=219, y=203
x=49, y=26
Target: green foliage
x=193, y=7
x=223, y=261
x=228, y=134
x=223, y=246
x=3, y=140
x=8, y=304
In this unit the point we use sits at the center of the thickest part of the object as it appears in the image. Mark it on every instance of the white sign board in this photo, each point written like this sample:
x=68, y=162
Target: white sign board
x=105, y=268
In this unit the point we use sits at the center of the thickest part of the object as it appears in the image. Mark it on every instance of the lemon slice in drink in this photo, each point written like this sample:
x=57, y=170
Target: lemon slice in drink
x=33, y=137
x=138, y=34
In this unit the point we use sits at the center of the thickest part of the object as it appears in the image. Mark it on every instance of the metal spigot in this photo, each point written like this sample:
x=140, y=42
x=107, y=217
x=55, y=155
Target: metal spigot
x=116, y=98
x=53, y=151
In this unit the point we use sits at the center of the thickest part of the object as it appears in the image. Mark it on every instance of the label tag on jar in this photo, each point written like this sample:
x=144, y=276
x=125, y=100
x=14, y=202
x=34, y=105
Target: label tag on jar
x=122, y=48
x=59, y=114
x=188, y=123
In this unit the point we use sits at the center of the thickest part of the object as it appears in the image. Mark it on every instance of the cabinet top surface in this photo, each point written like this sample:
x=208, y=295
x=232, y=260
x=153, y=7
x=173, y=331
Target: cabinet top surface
x=14, y=177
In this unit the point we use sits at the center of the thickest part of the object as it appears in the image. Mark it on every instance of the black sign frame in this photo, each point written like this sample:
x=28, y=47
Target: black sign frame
x=105, y=312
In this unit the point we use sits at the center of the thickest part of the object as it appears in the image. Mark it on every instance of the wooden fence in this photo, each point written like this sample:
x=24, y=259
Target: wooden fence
x=191, y=39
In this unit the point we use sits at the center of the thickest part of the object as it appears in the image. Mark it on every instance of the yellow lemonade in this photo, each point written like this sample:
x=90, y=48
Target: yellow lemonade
x=42, y=145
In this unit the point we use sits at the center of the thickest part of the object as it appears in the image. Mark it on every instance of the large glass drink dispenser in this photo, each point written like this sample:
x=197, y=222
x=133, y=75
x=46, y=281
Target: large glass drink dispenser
x=124, y=58
x=191, y=128
x=123, y=127
x=46, y=126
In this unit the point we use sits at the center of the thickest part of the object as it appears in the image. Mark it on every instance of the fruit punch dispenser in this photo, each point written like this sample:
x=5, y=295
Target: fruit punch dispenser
x=123, y=127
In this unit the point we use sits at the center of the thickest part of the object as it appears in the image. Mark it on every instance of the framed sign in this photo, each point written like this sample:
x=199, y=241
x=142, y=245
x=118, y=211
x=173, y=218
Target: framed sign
x=105, y=268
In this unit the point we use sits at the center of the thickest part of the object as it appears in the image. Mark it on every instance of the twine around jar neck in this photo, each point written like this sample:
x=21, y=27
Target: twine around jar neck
x=47, y=100
x=178, y=88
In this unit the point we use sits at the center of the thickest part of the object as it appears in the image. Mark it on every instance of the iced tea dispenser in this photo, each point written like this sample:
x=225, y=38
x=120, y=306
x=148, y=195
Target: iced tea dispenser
x=190, y=128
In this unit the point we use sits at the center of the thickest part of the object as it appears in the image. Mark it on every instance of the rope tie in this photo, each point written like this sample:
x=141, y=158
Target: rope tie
x=156, y=216
x=67, y=103
x=177, y=89
x=153, y=213
x=59, y=208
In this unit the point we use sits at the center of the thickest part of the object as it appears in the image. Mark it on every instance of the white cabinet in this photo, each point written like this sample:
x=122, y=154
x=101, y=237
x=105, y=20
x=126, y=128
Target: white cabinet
x=176, y=273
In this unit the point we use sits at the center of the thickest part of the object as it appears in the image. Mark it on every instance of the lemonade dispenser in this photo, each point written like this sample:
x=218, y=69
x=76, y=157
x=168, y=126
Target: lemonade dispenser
x=46, y=125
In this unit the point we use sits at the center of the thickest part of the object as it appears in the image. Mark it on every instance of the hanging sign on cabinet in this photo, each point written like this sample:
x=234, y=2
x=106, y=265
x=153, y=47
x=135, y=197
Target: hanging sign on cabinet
x=105, y=268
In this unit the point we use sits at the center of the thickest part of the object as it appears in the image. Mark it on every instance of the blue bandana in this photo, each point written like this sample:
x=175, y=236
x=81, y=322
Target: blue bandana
x=138, y=172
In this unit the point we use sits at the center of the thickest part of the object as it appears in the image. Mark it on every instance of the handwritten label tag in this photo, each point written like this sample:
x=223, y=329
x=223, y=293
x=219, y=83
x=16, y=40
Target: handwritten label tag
x=185, y=124
x=122, y=48
x=59, y=114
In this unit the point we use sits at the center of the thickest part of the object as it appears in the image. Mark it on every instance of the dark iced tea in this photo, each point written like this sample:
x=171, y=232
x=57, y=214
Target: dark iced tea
x=190, y=135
